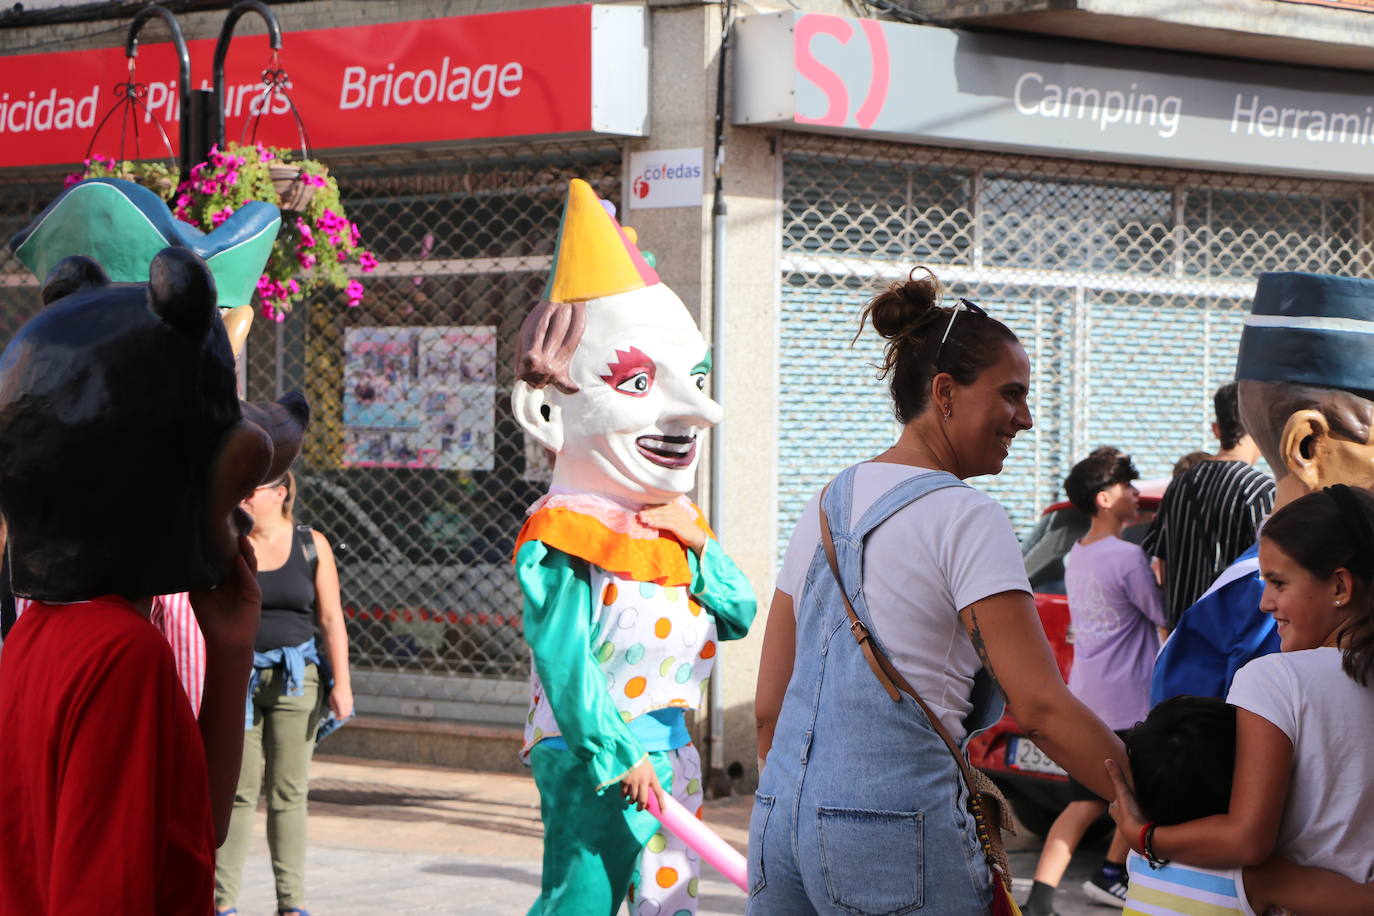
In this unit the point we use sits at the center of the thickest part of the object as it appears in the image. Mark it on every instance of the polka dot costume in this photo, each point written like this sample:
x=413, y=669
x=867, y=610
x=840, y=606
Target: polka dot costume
x=668, y=877
x=655, y=645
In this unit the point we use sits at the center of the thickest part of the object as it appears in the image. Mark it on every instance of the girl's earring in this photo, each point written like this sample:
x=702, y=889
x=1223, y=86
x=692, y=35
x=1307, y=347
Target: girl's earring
x=948, y=413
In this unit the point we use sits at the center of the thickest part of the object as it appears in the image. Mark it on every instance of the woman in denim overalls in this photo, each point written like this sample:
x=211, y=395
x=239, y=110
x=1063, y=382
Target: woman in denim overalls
x=860, y=808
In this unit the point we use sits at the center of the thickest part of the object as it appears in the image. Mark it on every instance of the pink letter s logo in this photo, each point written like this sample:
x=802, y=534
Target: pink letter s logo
x=830, y=82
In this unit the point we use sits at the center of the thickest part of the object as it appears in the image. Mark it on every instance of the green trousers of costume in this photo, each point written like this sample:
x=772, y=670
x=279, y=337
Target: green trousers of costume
x=283, y=727
x=592, y=840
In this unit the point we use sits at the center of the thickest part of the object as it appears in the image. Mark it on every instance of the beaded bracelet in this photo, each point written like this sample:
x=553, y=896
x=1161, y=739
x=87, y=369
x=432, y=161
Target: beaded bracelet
x=1147, y=840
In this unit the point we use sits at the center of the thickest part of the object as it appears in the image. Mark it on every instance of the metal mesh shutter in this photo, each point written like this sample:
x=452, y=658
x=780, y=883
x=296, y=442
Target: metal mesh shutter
x=420, y=492
x=1127, y=285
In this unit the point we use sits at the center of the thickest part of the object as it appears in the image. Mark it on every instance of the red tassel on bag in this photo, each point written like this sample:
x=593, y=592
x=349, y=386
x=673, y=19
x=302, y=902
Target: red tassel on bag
x=1003, y=904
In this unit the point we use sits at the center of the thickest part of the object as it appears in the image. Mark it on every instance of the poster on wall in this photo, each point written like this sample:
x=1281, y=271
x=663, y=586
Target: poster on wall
x=420, y=397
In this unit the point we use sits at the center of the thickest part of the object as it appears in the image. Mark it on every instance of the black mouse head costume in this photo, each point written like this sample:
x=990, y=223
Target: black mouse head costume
x=124, y=449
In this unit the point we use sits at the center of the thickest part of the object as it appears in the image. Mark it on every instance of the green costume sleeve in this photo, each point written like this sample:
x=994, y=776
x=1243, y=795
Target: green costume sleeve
x=558, y=611
x=720, y=586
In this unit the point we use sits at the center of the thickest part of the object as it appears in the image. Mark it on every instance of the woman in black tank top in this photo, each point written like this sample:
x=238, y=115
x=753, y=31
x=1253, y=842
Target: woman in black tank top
x=300, y=590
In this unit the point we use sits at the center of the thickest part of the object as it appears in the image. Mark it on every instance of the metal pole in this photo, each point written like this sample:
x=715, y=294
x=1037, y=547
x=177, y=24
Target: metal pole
x=226, y=34
x=715, y=732
x=184, y=132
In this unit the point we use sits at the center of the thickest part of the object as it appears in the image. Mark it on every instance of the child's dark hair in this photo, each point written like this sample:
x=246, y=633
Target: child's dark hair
x=1183, y=757
x=908, y=315
x=1226, y=403
x=1104, y=467
x=1330, y=530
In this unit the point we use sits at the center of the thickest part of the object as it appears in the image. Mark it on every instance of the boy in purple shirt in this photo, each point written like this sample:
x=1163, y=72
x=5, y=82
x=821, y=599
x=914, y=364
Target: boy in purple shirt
x=1115, y=608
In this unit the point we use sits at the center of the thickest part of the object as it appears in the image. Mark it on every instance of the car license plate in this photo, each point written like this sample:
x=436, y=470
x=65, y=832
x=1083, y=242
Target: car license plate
x=1024, y=755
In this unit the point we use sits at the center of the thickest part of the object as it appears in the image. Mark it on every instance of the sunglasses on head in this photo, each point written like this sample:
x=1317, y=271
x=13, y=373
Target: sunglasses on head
x=962, y=304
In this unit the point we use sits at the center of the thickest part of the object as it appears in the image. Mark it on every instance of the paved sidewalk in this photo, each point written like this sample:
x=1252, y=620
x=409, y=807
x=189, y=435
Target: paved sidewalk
x=386, y=838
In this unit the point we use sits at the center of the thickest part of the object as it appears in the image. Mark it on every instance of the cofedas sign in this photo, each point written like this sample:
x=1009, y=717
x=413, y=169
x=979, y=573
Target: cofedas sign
x=558, y=70
x=817, y=72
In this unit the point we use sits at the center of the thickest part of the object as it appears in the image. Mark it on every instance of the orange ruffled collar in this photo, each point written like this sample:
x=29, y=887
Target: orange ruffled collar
x=610, y=536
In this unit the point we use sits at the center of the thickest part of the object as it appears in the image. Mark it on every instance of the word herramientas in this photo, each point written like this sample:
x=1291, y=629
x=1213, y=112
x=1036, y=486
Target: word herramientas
x=477, y=86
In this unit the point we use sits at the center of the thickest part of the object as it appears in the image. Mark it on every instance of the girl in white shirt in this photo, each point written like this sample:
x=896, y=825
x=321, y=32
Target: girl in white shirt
x=1304, y=777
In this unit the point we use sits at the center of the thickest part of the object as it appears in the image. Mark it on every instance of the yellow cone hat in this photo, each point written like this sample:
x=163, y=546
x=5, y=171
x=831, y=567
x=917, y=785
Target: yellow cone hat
x=595, y=257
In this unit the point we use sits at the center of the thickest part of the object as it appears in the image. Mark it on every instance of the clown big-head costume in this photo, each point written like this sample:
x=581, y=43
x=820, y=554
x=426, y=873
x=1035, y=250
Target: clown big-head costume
x=626, y=591
x=613, y=370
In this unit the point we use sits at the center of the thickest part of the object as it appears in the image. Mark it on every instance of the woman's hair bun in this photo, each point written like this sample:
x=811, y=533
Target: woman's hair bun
x=906, y=307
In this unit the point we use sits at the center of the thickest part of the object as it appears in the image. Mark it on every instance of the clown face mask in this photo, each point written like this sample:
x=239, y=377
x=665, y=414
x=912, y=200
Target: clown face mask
x=631, y=430
x=613, y=371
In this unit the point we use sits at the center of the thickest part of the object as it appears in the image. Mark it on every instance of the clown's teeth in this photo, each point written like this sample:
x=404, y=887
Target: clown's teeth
x=674, y=445
x=668, y=451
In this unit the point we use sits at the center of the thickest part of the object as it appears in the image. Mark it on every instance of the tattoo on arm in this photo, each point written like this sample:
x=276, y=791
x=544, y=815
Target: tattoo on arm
x=976, y=636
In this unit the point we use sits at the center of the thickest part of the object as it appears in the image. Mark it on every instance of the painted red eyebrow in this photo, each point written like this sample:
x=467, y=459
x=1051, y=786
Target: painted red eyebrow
x=628, y=363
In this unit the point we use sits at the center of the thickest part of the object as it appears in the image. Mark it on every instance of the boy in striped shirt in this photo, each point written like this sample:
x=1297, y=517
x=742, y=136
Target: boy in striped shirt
x=1182, y=760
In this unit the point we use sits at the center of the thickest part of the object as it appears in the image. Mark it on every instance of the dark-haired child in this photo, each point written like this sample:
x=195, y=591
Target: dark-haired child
x=1115, y=607
x=1182, y=759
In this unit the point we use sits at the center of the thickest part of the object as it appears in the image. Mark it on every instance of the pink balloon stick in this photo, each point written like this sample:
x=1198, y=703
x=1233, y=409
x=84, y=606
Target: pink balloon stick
x=701, y=838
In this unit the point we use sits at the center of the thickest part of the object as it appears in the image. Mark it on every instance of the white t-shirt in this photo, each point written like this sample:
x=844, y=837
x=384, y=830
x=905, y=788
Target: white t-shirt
x=1327, y=821
x=921, y=567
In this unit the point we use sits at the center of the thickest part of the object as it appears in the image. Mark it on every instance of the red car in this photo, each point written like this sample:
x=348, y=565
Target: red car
x=1036, y=786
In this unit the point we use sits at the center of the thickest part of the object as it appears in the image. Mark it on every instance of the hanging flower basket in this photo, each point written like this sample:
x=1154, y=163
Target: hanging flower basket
x=317, y=242
x=154, y=174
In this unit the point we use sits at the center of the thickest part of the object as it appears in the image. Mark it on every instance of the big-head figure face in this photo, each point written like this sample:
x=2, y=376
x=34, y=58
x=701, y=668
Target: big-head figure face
x=1306, y=380
x=613, y=370
x=124, y=449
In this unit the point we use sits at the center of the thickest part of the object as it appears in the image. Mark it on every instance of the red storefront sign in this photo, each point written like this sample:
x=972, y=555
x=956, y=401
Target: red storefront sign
x=560, y=70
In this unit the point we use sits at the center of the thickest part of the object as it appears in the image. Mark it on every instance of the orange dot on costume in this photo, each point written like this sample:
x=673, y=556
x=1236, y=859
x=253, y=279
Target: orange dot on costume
x=708, y=650
x=666, y=877
x=635, y=687
x=610, y=594
x=662, y=627
x=694, y=607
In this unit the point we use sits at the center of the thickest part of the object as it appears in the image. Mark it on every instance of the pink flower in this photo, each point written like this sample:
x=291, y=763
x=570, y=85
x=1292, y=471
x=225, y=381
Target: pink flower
x=343, y=257
x=332, y=222
x=315, y=181
x=307, y=236
x=353, y=234
x=354, y=291
x=367, y=262
x=217, y=218
x=272, y=313
x=265, y=154
x=73, y=178
x=306, y=259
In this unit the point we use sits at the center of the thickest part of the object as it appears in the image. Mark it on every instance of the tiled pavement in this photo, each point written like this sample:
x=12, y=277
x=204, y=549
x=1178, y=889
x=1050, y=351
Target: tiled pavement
x=406, y=839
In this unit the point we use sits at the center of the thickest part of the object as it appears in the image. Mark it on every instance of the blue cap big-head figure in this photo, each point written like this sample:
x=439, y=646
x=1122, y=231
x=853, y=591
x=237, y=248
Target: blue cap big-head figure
x=1306, y=380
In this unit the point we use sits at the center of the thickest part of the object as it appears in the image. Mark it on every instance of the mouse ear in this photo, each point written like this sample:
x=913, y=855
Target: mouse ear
x=71, y=275
x=181, y=291
x=284, y=421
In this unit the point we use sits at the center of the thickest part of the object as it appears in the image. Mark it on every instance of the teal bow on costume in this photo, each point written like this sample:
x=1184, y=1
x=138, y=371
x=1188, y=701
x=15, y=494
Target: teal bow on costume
x=123, y=225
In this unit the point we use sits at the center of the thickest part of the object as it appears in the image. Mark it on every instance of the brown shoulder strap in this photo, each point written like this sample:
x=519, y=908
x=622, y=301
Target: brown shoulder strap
x=887, y=675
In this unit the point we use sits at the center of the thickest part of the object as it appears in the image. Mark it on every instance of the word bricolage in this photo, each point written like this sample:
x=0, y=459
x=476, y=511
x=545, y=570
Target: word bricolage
x=478, y=86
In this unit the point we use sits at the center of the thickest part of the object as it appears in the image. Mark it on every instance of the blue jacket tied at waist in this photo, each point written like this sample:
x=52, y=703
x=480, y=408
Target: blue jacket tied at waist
x=292, y=661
